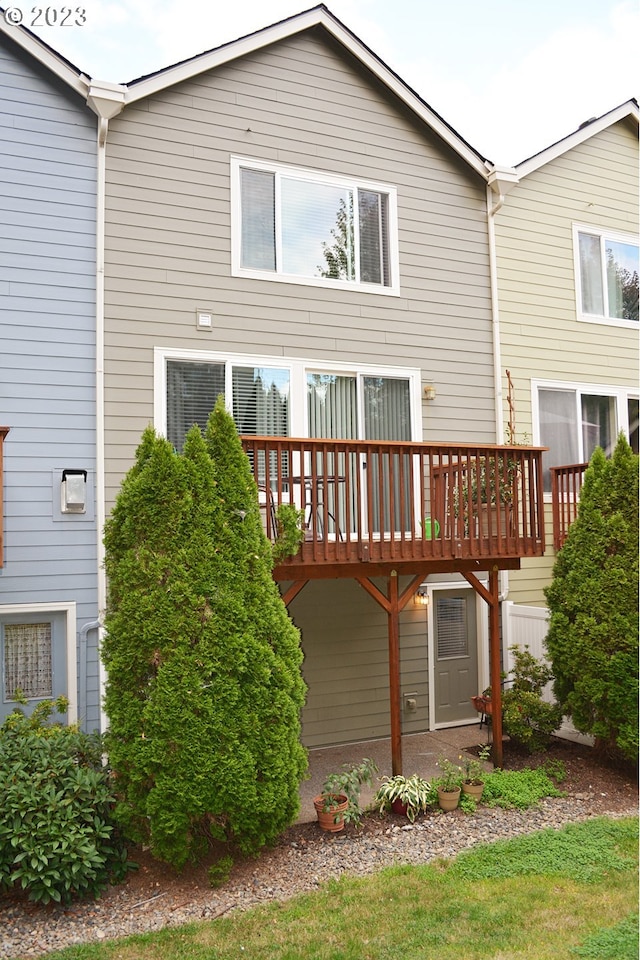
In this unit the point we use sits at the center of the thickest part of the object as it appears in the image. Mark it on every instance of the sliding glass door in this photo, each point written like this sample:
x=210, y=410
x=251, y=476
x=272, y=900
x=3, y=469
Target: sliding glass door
x=344, y=407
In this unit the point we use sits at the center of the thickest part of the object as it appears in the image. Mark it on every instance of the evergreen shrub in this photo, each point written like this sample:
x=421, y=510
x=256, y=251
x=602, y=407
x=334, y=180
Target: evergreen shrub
x=593, y=601
x=58, y=838
x=204, y=687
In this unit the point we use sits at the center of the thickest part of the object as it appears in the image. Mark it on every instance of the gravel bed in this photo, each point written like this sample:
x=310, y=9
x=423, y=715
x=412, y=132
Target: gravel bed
x=302, y=861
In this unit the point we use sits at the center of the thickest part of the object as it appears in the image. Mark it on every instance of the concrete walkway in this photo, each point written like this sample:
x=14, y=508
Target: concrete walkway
x=420, y=753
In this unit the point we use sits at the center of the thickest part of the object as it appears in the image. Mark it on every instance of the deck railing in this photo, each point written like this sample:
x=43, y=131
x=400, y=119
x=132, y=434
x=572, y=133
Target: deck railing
x=394, y=501
x=566, y=484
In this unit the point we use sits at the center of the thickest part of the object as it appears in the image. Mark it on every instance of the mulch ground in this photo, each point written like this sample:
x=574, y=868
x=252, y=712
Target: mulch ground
x=609, y=788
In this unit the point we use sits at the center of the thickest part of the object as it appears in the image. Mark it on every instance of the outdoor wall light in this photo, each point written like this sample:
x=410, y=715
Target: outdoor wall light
x=422, y=597
x=429, y=392
x=73, y=491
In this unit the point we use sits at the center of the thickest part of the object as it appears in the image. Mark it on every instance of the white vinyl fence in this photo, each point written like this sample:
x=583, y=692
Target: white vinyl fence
x=525, y=626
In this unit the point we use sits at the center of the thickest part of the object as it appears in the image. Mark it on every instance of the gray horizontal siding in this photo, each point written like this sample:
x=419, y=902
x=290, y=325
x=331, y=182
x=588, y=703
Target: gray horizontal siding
x=47, y=342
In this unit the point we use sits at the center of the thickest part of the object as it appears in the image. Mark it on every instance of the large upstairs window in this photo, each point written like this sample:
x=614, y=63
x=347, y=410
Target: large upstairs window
x=606, y=276
x=303, y=226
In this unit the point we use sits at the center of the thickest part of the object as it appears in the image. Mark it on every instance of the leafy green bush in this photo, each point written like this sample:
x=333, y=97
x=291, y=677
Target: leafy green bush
x=593, y=601
x=518, y=788
x=58, y=839
x=204, y=687
x=526, y=717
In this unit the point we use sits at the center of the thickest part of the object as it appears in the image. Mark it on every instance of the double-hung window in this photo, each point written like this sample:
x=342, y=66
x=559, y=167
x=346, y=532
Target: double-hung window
x=308, y=227
x=574, y=420
x=606, y=275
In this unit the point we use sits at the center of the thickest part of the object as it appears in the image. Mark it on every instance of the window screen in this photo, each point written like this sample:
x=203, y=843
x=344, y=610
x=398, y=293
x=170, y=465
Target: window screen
x=27, y=664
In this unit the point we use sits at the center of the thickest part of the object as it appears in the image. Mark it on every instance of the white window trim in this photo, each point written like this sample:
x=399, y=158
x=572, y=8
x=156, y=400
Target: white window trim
x=298, y=368
x=600, y=232
x=69, y=609
x=621, y=395
x=315, y=176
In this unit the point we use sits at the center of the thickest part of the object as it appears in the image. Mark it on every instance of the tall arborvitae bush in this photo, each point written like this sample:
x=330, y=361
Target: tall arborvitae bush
x=204, y=687
x=593, y=600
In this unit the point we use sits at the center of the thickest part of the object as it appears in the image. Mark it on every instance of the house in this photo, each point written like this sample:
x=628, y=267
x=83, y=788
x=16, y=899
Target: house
x=48, y=529
x=567, y=259
x=287, y=223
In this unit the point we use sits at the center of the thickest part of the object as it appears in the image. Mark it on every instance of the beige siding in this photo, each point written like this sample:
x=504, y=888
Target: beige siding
x=594, y=184
x=168, y=253
x=346, y=665
x=168, y=243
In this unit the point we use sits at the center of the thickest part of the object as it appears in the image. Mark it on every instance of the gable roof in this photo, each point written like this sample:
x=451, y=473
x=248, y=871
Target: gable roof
x=584, y=132
x=45, y=55
x=319, y=16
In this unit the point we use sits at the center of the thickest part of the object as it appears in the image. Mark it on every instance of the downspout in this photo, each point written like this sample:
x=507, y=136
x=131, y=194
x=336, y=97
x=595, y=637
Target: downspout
x=106, y=100
x=500, y=181
x=103, y=129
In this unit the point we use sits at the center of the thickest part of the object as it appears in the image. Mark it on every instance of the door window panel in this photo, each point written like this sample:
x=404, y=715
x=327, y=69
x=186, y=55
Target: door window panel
x=451, y=627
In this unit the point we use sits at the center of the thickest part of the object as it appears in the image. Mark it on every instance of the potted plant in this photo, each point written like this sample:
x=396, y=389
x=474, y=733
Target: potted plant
x=339, y=802
x=407, y=796
x=449, y=784
x=474, y=772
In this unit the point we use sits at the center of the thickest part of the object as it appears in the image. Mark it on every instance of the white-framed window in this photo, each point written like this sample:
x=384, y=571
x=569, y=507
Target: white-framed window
x=309, y=227
x=606, y=268
x=276, y=396
x=573, y=419
x=38, y=654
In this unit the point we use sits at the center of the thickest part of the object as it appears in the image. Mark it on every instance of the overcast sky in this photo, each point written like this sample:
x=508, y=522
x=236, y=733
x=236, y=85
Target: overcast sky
x=511, y=76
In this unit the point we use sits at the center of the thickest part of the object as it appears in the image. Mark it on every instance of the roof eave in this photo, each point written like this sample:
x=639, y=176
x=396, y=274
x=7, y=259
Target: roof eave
x=46, y=56
x=583, y=133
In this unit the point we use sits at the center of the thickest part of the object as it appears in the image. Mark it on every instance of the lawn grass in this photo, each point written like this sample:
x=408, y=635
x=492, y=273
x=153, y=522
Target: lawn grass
x=565, y=895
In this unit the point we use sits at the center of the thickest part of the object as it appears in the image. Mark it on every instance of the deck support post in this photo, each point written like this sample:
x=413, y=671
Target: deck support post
x=492, y=598
x=394, y=675
x=495, y=666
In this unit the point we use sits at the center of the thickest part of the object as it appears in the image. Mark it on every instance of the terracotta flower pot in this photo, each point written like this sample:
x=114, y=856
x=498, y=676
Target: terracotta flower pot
x=473, y=790
x=448, y=799
x=333, y=818
x=482, y=704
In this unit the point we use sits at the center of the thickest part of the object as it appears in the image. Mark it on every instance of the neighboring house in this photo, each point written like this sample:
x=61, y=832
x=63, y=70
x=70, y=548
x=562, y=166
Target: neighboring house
x=288, y=224
x=567, y=251
x=49, y=553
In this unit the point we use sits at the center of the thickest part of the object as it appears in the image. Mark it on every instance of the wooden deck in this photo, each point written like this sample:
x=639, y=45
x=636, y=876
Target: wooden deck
x=388, y=509
x=402, y=506
x=566, y=484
